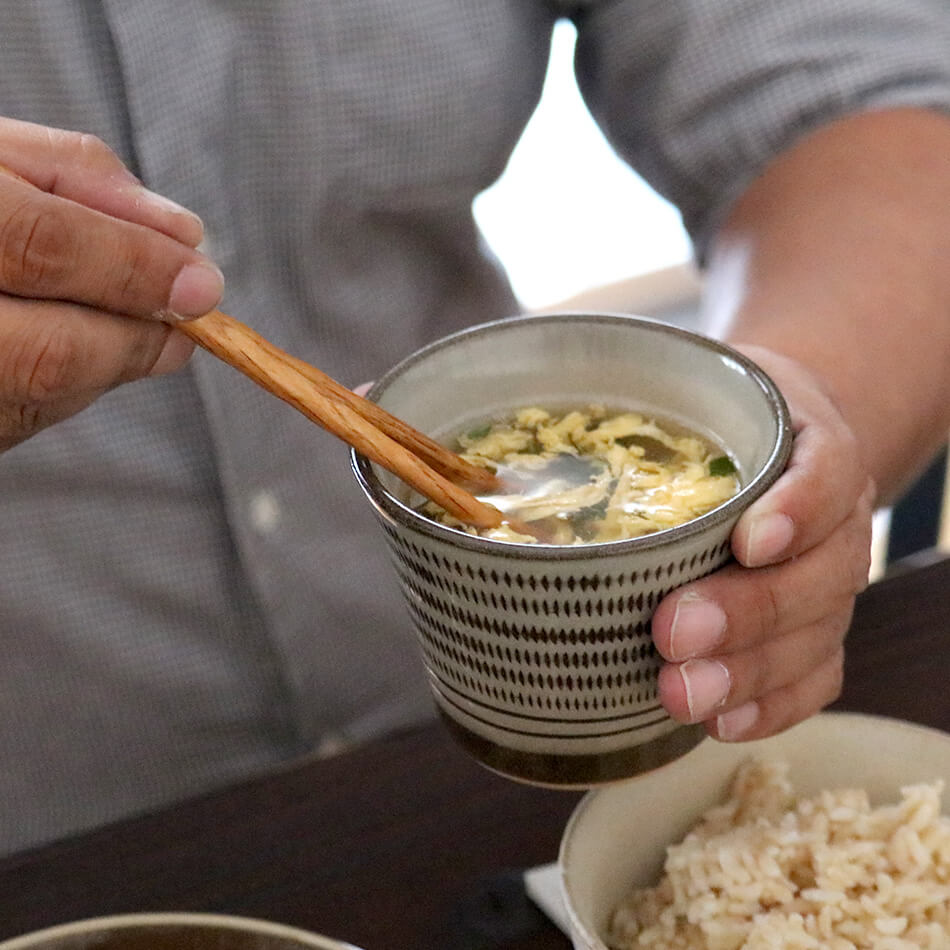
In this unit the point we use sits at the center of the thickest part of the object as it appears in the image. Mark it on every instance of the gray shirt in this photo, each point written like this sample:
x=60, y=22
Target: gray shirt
x=191, y=586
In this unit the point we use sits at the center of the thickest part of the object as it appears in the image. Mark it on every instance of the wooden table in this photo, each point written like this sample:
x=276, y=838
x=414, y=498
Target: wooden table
x=406, y=844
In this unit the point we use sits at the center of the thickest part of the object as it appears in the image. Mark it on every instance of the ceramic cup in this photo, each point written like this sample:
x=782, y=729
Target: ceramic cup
x=173, y=931
x=539, y=656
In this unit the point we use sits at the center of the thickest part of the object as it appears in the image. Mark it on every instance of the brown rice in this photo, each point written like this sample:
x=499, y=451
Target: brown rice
x=766, y=870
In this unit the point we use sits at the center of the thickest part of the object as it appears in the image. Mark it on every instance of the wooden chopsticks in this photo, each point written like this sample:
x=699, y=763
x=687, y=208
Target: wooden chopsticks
x=421, y=462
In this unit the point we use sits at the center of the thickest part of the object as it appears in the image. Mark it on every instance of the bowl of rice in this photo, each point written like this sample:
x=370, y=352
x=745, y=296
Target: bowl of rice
x=830, y=835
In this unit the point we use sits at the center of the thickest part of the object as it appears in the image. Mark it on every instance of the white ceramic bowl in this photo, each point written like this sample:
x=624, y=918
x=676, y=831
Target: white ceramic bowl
x=173, y=931
x=617, y=836
x=539, y=656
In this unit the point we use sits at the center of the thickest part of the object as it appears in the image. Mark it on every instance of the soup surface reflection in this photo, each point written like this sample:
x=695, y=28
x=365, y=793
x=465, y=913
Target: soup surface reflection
x=589, y=475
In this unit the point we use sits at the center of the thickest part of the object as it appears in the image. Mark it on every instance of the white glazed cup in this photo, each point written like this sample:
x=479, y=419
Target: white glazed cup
x=539, y=656
x=172, y=931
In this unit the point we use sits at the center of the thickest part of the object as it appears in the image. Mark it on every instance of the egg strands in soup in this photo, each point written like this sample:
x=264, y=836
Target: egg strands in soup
x=590, y=475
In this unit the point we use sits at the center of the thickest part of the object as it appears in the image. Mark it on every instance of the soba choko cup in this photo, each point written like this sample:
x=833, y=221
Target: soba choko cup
x=539, y=656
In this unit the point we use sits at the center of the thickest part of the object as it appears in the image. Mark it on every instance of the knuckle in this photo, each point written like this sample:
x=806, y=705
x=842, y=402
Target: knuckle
x=40, y=367
x=87, y=144
x=797, y=702
x=36, y=249
x=757, y=678
x=768, y=608
x=43, y=366
x=849, y=449
x=83, y=148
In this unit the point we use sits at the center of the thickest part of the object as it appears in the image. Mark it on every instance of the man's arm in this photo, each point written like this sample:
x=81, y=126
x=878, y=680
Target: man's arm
x=833, y=272
x=839, y=257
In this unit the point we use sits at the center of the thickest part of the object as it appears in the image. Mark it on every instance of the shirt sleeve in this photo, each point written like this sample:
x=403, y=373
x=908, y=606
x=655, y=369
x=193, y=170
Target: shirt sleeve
x=698, y=95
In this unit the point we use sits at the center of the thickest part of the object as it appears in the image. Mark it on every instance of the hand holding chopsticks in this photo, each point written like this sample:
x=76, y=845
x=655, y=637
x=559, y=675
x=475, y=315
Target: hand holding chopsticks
x=429, y=468
x=422, y=463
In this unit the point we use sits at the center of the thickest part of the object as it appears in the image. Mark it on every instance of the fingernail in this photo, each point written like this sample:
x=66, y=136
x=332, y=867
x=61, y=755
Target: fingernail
x=769, y=537
x=698, y=625
x=189, y=224
x=166, y=204
x=706, y=683
x=196, y=290
x=737, y=722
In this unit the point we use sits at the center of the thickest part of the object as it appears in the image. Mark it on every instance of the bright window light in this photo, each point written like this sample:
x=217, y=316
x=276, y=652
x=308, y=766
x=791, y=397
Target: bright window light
x=568, y=215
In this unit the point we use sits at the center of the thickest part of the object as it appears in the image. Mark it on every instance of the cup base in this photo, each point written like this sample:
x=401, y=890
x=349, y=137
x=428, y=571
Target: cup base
x=576, y=771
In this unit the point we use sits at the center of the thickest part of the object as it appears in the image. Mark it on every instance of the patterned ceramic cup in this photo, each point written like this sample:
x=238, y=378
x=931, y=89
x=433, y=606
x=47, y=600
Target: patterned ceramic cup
x=539, y=656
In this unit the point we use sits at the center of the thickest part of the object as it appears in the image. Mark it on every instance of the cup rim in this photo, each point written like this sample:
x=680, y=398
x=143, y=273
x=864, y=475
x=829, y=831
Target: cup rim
x=250, y=925
x=392, y=509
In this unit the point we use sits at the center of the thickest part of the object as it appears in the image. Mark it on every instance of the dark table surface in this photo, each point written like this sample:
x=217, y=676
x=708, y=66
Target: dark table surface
x=407, y=844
